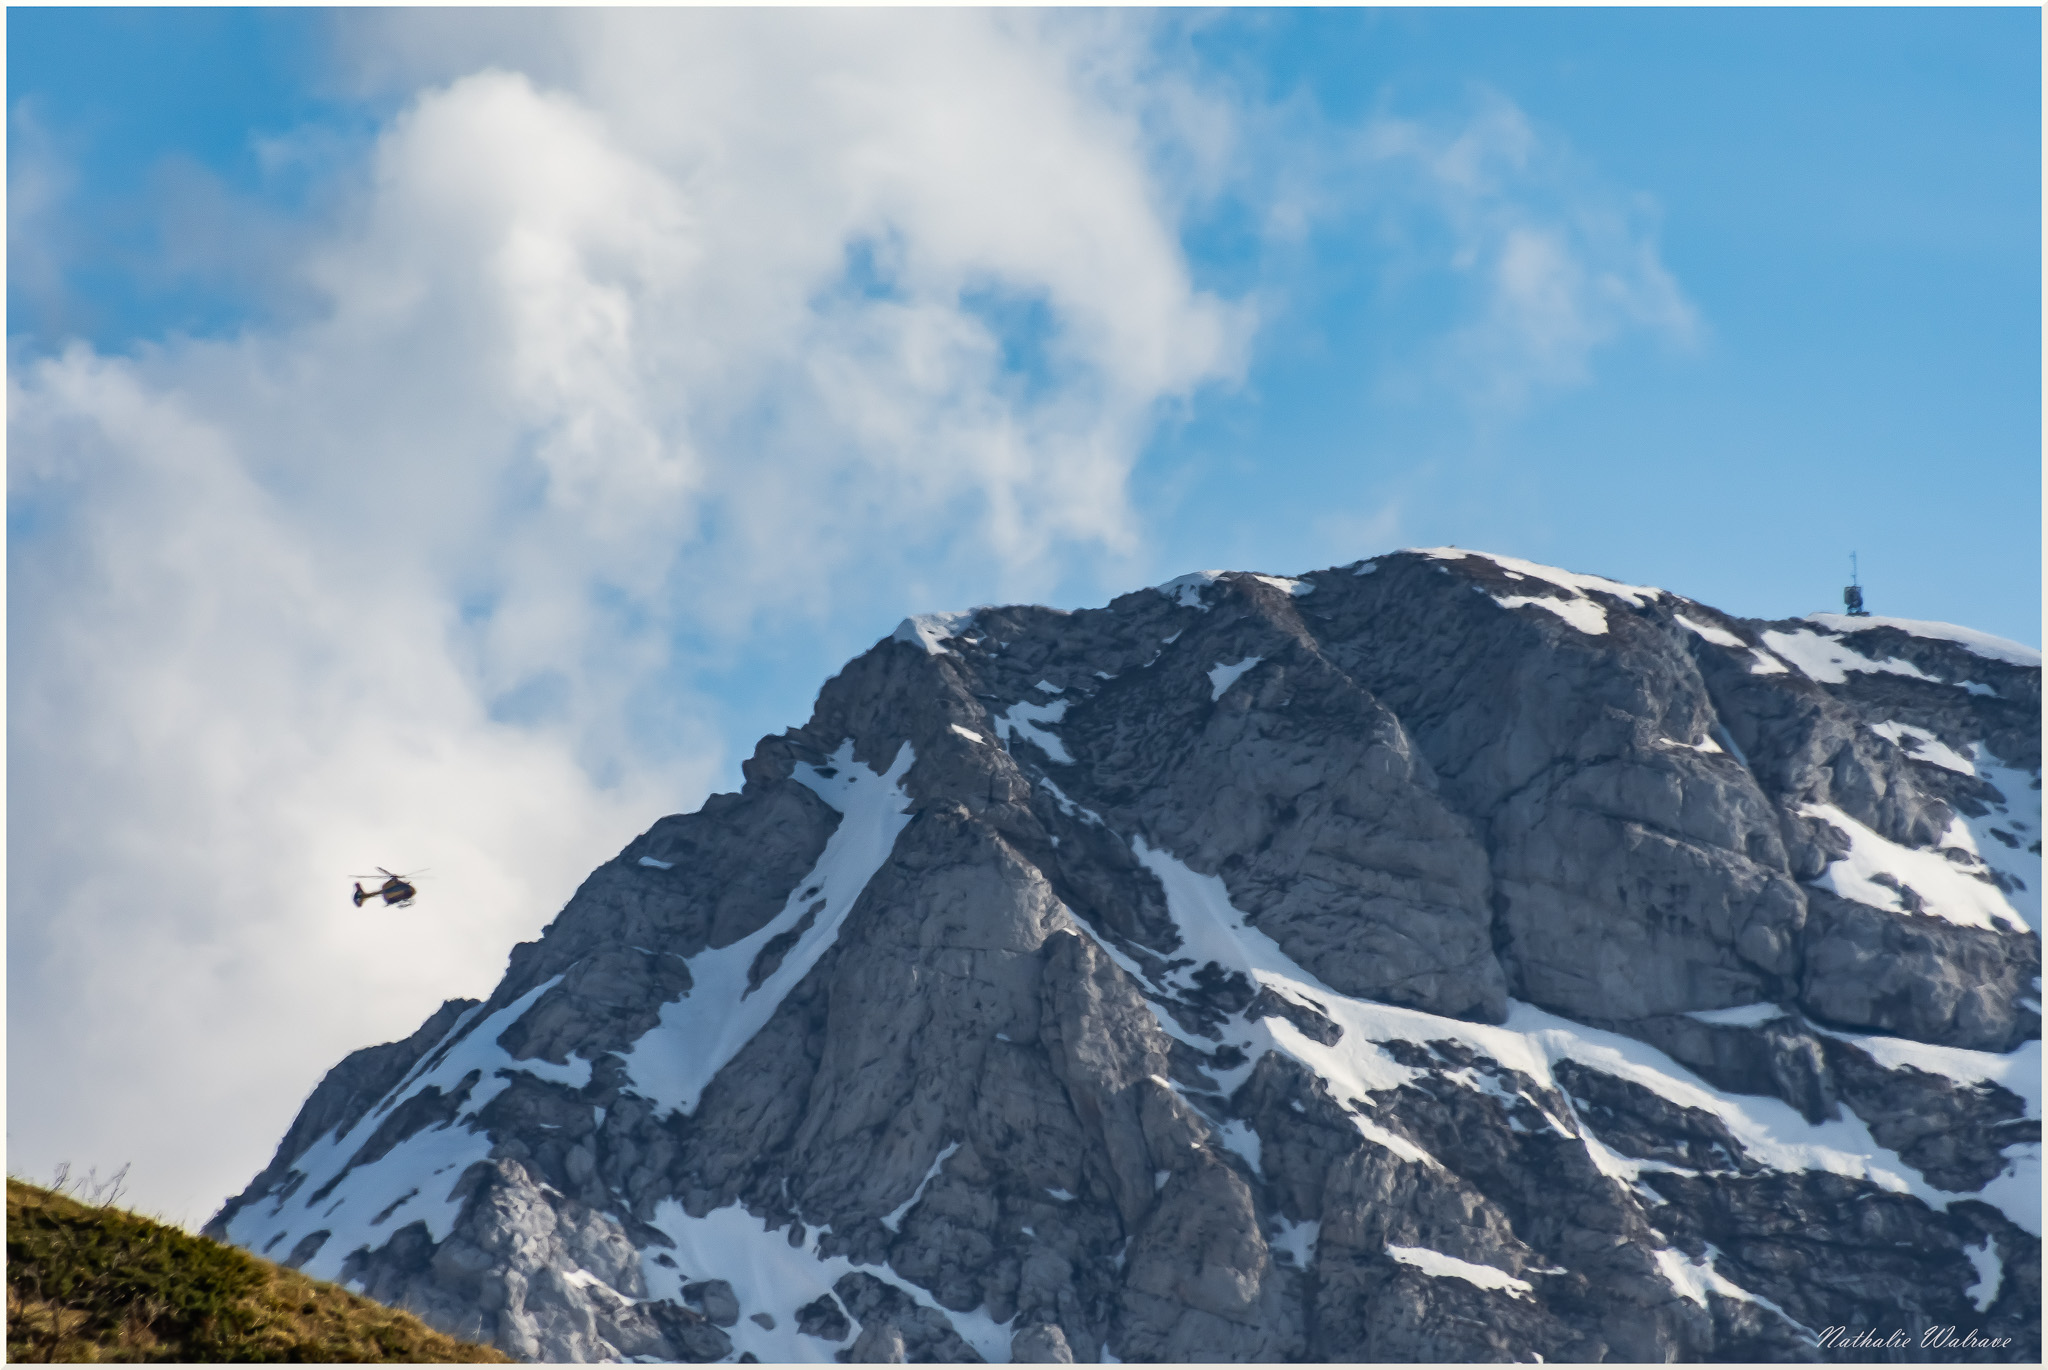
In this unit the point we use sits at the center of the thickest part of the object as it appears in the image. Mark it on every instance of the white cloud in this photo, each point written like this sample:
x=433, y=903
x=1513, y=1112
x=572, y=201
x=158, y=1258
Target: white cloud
x=1556, y=262
x=211, y=725
x=713, y=316
x=636, y=329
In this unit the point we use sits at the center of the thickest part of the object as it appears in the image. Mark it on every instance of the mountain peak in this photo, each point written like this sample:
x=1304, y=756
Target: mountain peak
x=1437, y=957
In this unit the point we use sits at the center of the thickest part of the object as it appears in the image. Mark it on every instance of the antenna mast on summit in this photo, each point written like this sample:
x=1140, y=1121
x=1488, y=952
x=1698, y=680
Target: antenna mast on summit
x=1852, y=593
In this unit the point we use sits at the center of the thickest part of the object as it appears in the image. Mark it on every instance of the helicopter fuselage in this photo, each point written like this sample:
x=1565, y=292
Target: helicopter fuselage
x=393, y=891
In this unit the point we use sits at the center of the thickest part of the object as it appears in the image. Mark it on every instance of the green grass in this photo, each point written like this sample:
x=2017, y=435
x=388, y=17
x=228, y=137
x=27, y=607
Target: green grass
x=91, y=1282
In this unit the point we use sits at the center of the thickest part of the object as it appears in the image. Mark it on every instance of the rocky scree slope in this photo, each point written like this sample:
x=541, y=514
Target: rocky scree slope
x=1441, y=957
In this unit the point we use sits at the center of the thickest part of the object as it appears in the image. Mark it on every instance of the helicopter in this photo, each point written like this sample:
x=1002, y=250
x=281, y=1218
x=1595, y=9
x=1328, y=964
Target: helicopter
x=396, y=890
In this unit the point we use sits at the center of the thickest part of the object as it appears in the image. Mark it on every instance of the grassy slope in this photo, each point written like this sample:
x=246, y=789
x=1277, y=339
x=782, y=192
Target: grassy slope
x=101, y=1283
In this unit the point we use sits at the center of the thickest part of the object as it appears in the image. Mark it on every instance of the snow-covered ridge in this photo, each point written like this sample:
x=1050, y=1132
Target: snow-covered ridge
x=1186, y=590
x=334, y=1213
x=930, y=631
x=1576, y=608
x=1571, y=582
x=1982, y=644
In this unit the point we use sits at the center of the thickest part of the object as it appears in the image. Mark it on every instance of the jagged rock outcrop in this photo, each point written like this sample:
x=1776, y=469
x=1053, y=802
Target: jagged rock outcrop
x=1441, y=957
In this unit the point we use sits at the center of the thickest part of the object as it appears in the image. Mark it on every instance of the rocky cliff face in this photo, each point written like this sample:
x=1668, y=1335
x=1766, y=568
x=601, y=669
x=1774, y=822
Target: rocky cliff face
x=1441, y=957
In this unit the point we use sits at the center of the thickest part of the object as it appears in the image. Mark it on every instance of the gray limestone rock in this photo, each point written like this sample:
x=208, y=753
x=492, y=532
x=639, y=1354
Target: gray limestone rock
x=1919, y=976
x=714, y=1299
x=524, y=1266
x=824, y=1319
x=895, y=1327
x=1955, y=1134
x=1042, y=1343
x=1438, y=958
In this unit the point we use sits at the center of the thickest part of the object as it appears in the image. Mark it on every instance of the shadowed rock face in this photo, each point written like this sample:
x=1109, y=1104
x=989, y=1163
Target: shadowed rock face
x=1440, y=958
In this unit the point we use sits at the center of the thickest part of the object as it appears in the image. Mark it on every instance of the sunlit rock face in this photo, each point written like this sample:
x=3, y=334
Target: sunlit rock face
x=1436, y=958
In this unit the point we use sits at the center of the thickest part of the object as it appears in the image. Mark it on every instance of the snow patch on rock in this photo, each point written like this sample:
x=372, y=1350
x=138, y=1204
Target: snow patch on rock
x=1990, y=1273
x=893, y=1219
x=1694, y=1279
x=2007, y=838
x=1582, y=614
x=2018, y=1070
x=1239, y=1136
x=1023, y=720
x=718, y=1015
x=1771, y=1131
x=770, y=1276
x=1875, y=866
x=411, y=1180
x=1829, y=660
x=1222, y=677
x=1439, y=1266
x=1297, y=1239
x=1720, y=637
x=1745, y=1015
x=1922, y=745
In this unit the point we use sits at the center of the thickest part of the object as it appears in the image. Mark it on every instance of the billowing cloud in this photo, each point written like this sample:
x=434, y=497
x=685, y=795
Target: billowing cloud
x=730, y=317
x=635, y=331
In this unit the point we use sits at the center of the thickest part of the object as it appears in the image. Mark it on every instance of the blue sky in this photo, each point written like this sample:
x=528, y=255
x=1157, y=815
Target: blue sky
x=451, y=437
x=1849, y=199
